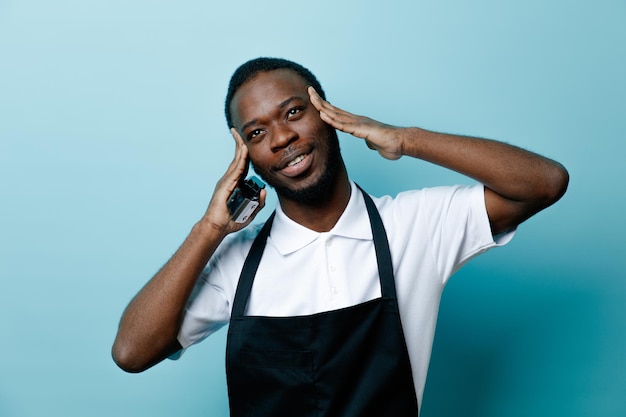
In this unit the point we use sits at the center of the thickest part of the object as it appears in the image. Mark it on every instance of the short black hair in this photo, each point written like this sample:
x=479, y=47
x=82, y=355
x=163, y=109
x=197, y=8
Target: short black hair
x=250, y=69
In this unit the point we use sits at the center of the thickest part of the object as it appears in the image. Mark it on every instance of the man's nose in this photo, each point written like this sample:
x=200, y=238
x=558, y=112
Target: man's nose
x=282, y=136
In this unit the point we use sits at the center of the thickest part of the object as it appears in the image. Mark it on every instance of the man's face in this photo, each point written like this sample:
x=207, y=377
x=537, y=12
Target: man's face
x=289, y=145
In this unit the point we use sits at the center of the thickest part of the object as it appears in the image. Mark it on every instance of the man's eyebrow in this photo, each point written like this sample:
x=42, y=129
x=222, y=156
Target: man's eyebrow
x=286, y=102
x=281, y=106
x=250, y=123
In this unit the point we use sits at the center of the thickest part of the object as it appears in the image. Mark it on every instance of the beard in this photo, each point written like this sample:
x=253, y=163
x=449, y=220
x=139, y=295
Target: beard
x=320, y=191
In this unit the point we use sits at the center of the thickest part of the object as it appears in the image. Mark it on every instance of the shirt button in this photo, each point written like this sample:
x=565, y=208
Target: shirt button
x=334, y=290
x=329, y=243
x=332, y=268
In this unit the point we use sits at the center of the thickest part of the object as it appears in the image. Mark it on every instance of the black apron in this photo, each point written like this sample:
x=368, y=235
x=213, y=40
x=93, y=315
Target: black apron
x=351, y=362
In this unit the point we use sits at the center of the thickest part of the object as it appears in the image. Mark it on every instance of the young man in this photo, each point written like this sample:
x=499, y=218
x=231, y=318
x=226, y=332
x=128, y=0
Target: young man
x=332, y=304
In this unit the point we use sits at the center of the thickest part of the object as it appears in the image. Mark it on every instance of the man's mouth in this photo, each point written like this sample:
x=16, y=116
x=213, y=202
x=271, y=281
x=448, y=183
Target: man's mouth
x=297, y=160
x=297, y=165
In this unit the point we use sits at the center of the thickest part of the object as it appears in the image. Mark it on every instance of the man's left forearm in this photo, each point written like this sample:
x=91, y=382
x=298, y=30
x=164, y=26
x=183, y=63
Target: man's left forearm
x=510, y=171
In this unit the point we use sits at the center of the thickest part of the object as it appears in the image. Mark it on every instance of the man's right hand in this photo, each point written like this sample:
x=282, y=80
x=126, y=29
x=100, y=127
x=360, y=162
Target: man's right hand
x=217, y=214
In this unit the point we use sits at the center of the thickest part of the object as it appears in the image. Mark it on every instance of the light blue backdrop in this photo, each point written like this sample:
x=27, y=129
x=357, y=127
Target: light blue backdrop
x=112, y=138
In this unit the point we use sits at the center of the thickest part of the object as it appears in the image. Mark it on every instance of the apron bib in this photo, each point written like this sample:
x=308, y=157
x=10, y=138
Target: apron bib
x=351, y=362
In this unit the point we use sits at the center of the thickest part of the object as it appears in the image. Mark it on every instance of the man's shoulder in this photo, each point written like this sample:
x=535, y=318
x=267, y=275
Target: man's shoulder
x=443, y=192
x=427, y=204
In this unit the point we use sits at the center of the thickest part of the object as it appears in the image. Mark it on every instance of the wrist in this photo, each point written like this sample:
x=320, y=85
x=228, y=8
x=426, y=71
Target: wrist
x=412, y=141
x=209, y=229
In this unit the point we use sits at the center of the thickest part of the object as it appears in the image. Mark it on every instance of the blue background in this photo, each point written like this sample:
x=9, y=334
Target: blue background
x=112, y=138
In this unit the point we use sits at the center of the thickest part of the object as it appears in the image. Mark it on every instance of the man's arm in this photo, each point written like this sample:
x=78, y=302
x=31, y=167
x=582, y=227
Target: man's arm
x=518, y=183
x=149, y=327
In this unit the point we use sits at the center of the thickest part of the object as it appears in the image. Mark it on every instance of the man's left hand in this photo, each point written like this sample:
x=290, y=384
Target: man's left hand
x=385, y=139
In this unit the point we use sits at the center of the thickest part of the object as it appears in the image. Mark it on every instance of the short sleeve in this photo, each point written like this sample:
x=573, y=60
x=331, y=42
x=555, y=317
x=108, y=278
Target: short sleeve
x=208, y=307
x=458, y=226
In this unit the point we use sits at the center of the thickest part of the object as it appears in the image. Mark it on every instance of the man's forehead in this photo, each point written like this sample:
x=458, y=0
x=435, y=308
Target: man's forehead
x=280, y=78
x=268, y=88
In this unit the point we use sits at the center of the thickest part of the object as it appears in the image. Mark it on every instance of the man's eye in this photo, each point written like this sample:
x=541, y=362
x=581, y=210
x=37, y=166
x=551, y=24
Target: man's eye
x=292, y=112
x=253, y=134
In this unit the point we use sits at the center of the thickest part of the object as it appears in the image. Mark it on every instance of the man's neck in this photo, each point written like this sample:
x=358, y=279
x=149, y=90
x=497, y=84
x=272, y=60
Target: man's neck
x=323, y=216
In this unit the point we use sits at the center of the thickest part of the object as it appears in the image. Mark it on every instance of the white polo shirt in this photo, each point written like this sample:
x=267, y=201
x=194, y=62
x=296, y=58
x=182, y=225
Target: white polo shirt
x=432, y=232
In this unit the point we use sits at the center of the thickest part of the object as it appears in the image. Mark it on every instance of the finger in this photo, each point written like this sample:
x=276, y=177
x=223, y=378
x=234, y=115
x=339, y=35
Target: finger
x=239, y=165
x=334, y=116
x=241, y=150
x=320, y=104
x=344, y=122
x=238, y=139
x=324, y=106
x=262, y=197
x=315, y=98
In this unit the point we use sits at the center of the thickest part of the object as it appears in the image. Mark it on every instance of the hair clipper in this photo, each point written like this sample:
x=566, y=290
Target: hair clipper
x=245, y=199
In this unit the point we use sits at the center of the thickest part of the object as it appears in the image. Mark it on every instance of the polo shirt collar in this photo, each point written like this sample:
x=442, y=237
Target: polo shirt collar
x=288, y=236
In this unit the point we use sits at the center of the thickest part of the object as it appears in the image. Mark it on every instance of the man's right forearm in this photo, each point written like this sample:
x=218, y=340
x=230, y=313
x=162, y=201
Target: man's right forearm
x=149, y=326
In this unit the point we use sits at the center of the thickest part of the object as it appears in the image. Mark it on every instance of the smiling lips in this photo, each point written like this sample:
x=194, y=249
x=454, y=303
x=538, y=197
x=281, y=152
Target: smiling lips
x=297, y=166
x=297, y=160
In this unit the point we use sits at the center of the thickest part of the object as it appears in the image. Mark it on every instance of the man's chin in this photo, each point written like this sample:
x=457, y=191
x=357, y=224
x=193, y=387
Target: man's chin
x=308, y=191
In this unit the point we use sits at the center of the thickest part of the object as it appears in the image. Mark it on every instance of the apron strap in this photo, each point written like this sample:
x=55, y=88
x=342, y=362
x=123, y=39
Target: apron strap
x=250, y=266
x=381, y=245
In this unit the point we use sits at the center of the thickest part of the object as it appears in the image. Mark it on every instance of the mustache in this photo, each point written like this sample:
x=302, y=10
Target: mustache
x=289, y=151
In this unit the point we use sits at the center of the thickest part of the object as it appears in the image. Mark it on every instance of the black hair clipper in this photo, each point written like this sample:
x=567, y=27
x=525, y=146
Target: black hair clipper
x=245, y=199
